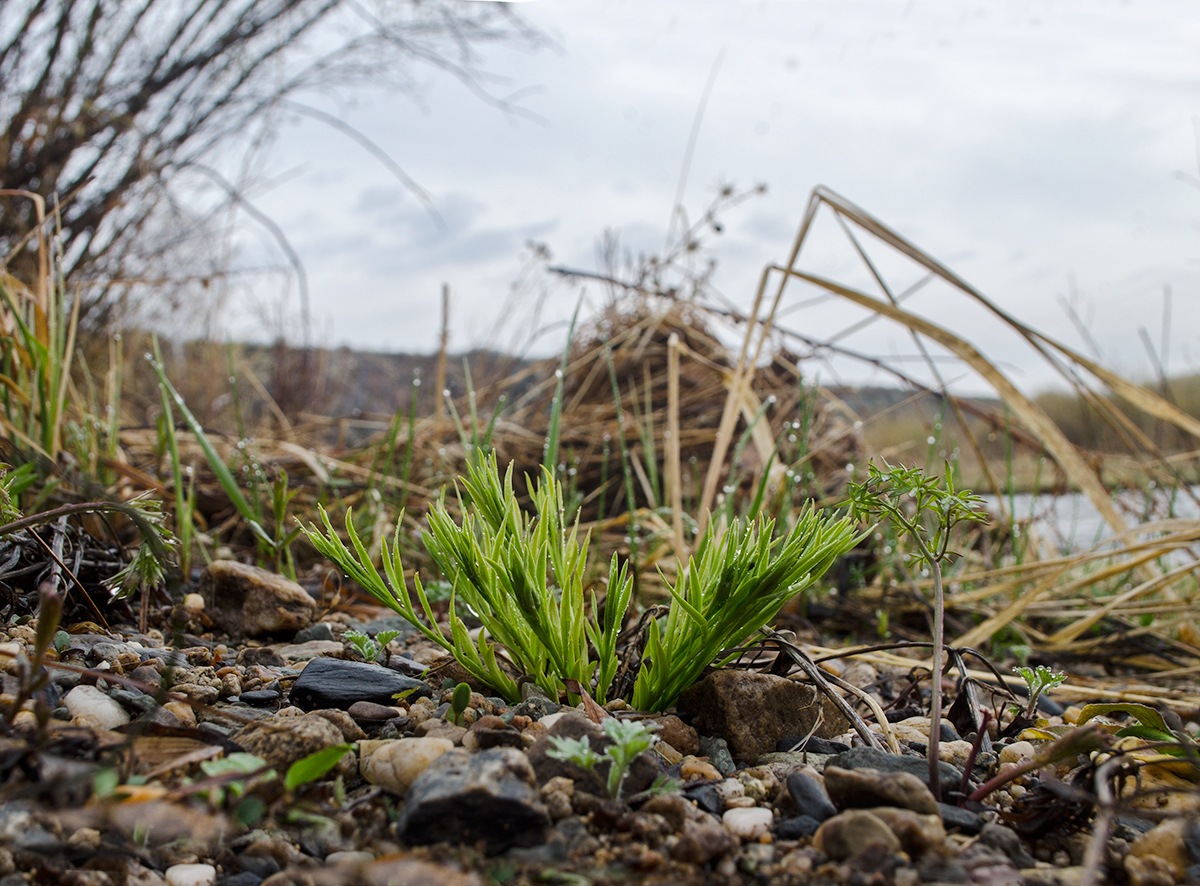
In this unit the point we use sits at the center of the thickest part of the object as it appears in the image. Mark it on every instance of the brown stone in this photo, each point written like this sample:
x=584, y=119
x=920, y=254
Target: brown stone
x=865, y=788
x=917, y=833
x=851, y=832
x=703, y=841
x=282, y=740
x=752, y=711
x=678, y=735
x=248, y=602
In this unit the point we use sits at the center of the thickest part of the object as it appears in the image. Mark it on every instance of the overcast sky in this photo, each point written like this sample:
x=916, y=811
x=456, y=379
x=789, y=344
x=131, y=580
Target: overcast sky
x=1025, y=144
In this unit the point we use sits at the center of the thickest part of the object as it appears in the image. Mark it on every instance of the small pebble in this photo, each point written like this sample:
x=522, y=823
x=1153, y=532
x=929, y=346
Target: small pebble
x=370, y=712
x=395, y=764
x=1018, y=752
x=193, y=603
x=91, y=707
x=183, y=711
x=729, y=789
x=191, y=875
x=260, y=698
x=349, y=857
x=749, y=824
x=693, y=769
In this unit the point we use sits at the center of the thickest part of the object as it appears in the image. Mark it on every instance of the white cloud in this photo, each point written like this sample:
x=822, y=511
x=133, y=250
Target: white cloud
x=1020, y=142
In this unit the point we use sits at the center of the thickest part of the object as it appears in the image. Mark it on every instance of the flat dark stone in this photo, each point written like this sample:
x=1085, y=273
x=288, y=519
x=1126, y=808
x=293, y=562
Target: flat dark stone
x=260, y=697
x=810, y=797
x=489, y=797
x=706, y=797
x=961, y=819
x=882, y=761
x=333, y=683
x=319, y=631
x=796, y=828
x=370, y=712
x=170, y=657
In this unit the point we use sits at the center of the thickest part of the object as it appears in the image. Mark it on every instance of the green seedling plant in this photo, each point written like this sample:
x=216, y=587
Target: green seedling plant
x=522, y=576
x=368, y=649
x=458, y=703
x=629, y=739
x=926, y=511
x=1038, y=682
x=734, y=584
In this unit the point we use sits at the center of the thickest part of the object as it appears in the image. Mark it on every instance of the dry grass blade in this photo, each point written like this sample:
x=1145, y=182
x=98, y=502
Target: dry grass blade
x=1026, y=410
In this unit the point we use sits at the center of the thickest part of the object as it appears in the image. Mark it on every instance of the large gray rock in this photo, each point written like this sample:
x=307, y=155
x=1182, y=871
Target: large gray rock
x=248, y=602
x=752, y=711
x=488, y=797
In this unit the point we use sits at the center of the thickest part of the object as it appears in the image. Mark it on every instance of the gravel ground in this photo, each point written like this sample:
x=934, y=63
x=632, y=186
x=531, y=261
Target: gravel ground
x=121, y=784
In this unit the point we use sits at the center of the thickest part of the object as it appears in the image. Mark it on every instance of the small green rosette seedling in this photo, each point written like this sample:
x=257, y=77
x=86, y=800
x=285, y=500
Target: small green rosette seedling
x=368, y=649
x=1038, y=682
x=628, y=740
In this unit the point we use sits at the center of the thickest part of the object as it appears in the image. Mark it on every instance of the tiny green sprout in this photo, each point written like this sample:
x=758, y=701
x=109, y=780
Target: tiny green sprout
x=61, y=641
x=235, y=764
x=1040, y=681
x=369, y=649
x=629, y=739
x=403, y=694
x=315, y=765
x=105, y=782
x=458, y=702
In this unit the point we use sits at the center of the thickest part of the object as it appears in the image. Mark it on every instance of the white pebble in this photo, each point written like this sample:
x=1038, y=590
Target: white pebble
x=91, y=707
x=193, y=603
x=729, y=789
x=1018, y=752
x=191, y=875
x=395, y=764
x=749, y=824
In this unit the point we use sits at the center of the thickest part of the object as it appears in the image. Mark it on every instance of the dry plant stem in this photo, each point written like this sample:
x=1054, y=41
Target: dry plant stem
x=1093, y=856
x=820, y=678
x=976, y=746
x=674, y=473
x=59, y=567
x=935, y=702
x=439, y=409
x=1029, y=412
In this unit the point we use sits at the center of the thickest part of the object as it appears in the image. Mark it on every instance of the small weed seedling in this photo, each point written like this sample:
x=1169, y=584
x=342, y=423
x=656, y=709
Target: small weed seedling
x=630, y=738
x=458, y=703
x=926, y=511
x=369, y=649
x=1040, y=681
